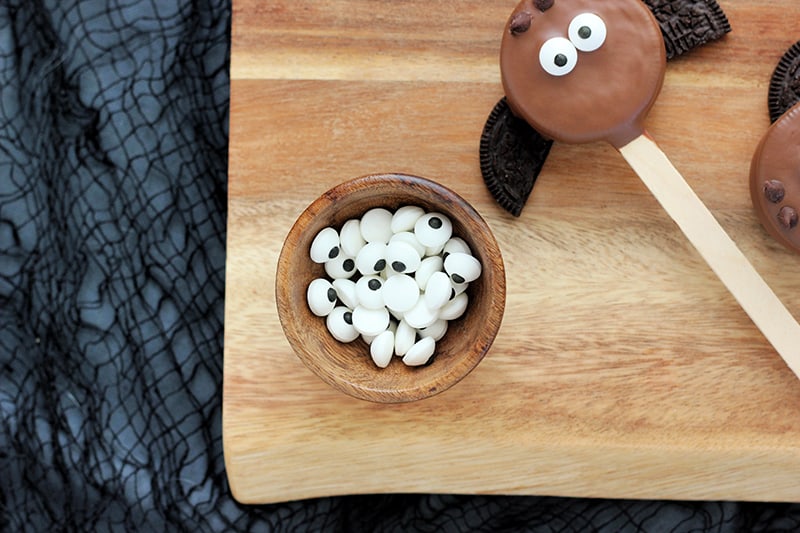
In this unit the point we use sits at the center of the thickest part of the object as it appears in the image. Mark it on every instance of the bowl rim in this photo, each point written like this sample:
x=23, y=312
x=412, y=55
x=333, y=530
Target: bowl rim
x=288, y=316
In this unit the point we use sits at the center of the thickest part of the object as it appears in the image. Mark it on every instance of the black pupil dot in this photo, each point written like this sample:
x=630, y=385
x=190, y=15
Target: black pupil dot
x=333, y=253
x=584, y=32
x=398, y=266
x=452, y=293
x=348, y=265
x=435, y=222
x=560, y=60
x=457, y=278
x=348, y=317
x=374, y=284
x=332, y=295
x=380, y=265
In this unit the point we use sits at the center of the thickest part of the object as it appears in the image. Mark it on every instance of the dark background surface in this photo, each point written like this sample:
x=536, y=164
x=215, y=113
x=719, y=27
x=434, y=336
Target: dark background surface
x=113, y=182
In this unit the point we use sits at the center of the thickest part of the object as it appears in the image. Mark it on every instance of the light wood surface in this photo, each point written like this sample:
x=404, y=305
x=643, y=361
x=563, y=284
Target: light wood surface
x=623, y=367
x=715, y=246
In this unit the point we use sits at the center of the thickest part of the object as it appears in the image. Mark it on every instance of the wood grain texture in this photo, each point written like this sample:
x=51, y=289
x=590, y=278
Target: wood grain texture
x=733, y=269
x=623, y=367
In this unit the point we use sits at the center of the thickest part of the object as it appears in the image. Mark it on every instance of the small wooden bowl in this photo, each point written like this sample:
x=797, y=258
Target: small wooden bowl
x=349, y=367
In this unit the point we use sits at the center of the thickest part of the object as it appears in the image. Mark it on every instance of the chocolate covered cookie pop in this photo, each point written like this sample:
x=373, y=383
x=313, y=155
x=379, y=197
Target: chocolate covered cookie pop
x=775, y=179
x=512, y=153
x=584, y=70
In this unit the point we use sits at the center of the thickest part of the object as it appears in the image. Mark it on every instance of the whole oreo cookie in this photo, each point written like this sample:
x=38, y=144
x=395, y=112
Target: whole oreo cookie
x=512, y=156
x=784, y=86
x=512, y=153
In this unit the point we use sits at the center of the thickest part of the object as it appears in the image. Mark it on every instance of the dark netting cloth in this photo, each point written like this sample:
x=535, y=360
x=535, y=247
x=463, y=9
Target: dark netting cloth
x=113, y=157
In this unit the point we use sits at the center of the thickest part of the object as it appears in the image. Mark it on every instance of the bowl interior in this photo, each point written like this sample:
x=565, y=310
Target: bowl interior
x=348, y=367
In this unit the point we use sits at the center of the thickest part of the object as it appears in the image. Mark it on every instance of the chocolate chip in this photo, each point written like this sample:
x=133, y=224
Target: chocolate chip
x=774, y=191
x=520, y=23
x=787, y=216
x=543, y=5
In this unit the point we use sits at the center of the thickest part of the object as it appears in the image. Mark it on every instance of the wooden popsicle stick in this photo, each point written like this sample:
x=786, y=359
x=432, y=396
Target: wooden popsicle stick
x=716, y=247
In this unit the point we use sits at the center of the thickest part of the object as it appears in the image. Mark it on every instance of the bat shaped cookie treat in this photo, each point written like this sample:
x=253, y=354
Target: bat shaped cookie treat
x=603, y=63
x=512, y=153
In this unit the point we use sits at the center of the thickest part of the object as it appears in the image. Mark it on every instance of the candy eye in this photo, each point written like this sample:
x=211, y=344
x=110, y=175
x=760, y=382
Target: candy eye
x=402, y=257
x=325, y=245
x=587, y=32
x=376, y=225
x=433, y=229
x=350, y=238
x=462, y=268
x=400, y=293
x=369, y=291
x=371, y=259
x=321, y=297
x=340, y=324
x=346, y=292
x=558, y=56
x=370, y=321
x=340, y=267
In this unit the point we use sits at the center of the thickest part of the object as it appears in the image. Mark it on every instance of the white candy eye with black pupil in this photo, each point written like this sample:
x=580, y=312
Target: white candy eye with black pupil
x=558, y=56
x=587, y=32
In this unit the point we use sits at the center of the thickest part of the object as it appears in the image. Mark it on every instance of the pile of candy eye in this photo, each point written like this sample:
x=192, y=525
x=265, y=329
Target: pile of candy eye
x=395, y=280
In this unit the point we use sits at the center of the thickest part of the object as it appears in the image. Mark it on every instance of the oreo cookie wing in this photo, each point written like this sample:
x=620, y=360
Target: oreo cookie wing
x=688, y=24
x=512, y=155
x=784, y=86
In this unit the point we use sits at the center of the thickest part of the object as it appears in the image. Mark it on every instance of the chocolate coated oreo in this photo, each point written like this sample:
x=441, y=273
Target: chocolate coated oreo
x=512, y=153
x=512, y=156
x=784, y=86
x=687, y=24
x=775, y=179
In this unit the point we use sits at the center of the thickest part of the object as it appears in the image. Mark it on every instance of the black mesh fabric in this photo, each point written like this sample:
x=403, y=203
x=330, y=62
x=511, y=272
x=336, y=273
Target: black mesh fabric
x=113, y=157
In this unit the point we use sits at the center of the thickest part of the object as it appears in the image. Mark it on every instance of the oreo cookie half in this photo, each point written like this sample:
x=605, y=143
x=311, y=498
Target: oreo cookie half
x=512, y=156
x=512, y=153
x=784, y=86
x=687, y=24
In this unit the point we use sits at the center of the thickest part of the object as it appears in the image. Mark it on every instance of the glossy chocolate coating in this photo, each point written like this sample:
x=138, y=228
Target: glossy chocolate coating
x=608, y=93
x=777, y=157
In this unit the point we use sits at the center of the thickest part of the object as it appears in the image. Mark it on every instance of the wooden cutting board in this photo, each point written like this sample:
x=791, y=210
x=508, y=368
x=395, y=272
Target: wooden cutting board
x=623, y=367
